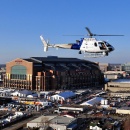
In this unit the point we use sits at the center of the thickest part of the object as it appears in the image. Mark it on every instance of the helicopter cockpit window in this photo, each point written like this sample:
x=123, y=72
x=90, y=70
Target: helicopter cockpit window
x=102, y=45
x=95, y=44
x=107, y=44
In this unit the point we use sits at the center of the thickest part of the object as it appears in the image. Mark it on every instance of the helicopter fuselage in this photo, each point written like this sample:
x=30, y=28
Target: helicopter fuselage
x=89, y=45
x=94, y=46
x=85, y=45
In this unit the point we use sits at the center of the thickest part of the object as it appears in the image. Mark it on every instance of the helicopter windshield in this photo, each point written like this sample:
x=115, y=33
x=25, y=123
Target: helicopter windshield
x=107, y=44
x=102, y=45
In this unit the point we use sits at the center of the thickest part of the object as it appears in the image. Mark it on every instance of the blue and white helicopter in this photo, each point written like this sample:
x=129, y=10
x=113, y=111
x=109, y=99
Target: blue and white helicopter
x=90, y=46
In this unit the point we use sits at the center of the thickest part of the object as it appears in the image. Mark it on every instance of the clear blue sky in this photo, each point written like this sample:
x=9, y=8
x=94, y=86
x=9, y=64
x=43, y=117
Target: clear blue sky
x=23, y=21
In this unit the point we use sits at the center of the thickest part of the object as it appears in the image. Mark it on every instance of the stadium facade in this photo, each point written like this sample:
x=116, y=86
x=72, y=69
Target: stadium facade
x=52, y=73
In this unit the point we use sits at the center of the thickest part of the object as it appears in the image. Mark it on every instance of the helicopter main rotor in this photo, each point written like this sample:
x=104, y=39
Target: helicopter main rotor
x=90, y=34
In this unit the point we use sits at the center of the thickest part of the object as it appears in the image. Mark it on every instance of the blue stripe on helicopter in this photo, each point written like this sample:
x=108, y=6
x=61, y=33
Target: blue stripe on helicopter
x=77, y=45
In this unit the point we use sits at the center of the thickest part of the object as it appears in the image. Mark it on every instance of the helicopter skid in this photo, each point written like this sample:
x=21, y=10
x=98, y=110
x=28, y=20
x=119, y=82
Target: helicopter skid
x=93, y=55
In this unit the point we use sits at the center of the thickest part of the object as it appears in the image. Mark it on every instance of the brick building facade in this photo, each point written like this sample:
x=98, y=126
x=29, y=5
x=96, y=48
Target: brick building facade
x=52, y=73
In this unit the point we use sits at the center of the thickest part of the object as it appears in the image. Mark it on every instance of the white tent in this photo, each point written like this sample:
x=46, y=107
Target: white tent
x=32, y=95
x=16, y=93
x=93, y=101
x=63, y=95
x=22, y=93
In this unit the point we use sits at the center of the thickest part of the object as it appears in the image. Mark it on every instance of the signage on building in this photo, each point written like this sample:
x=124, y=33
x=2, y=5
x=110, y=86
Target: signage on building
x=18, y=61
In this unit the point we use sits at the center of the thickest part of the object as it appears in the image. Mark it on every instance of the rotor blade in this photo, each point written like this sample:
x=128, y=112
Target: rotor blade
x=106, y=35
x=90, y=34
x=74, y=35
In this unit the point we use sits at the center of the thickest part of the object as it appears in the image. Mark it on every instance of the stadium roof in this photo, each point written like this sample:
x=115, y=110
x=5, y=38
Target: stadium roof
x=57, y=59
x=61, y=64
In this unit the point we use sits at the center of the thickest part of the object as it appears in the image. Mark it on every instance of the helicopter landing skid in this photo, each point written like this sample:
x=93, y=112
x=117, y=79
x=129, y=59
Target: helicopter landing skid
x=93, y=55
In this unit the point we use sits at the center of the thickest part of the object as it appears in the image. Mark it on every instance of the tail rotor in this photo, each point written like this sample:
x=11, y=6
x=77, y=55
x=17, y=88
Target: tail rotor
x=44, y=43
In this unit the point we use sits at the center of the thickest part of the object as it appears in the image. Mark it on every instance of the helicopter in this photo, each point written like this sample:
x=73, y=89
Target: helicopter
x=90, y=46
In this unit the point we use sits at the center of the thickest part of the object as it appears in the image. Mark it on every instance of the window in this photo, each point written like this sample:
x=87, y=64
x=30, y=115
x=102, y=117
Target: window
x=95, y=44
x=18, y=69
x=18, y=72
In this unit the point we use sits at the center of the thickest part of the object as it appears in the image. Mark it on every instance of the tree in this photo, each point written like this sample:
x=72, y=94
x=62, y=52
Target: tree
x=44, y=124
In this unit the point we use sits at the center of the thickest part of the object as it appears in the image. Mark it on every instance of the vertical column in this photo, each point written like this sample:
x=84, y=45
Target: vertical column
x=44, y=81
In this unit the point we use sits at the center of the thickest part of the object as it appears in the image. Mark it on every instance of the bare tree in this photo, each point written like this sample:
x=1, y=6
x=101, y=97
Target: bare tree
x=44, y=124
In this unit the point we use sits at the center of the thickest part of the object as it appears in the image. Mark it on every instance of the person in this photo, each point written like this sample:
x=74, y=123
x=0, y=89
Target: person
x=103, y=46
